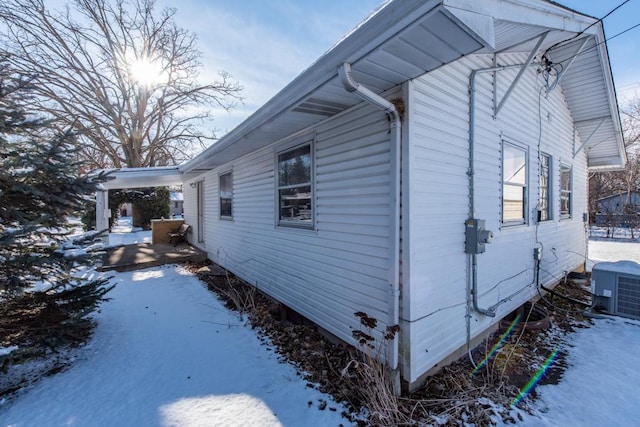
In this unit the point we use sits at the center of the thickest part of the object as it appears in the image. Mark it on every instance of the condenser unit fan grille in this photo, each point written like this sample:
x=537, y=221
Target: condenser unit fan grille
x=629, y=296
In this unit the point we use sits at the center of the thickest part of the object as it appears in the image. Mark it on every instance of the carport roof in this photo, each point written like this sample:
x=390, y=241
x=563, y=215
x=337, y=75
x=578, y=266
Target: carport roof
x=143, y=177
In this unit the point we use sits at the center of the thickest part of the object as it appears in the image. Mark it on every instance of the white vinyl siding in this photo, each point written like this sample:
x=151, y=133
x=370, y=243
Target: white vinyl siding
x=339, y=267
x=436, y=202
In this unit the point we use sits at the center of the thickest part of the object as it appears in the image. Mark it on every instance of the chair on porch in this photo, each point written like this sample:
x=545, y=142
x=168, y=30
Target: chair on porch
x=179, y=234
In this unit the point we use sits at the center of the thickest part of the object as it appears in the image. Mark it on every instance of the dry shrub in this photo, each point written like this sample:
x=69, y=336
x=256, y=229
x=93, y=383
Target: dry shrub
x=370, y=378
x=452, y=397
x=236, y=294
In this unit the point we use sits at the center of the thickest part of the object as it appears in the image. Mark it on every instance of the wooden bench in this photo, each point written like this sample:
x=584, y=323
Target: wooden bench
x=179, y=234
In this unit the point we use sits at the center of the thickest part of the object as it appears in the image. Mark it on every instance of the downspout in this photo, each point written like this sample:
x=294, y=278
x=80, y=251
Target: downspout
x=396, y=134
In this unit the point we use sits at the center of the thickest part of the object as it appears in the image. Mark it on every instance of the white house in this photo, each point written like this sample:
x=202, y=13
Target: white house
x=415, y=171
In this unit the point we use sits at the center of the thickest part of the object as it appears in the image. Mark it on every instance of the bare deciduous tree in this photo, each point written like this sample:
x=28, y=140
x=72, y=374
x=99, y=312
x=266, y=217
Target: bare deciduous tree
x=630, y=113
x=624, y=182
x=121, y=73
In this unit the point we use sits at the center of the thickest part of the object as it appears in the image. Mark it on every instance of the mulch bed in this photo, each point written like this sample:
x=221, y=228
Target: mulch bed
x=452, y=395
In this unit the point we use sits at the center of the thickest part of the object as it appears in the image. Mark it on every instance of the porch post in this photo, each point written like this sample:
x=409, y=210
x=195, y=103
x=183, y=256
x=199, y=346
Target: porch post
x=102, y=212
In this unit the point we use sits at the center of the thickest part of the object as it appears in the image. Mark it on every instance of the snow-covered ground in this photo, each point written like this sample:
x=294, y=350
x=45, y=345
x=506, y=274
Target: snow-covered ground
x=167, y=353
x=620, y=247
x=600, y=386
x=123, y=233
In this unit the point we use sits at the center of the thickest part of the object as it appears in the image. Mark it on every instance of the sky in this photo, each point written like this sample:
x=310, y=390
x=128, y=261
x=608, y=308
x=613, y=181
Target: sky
x=266, y=44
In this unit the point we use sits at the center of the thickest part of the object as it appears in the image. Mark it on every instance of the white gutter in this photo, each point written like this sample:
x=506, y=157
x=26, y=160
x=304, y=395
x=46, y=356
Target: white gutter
x=396, y=133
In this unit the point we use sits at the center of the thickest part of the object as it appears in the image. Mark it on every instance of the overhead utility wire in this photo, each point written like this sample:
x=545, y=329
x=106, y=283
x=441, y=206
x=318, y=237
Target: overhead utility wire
x=598, y=44
x=590, y=25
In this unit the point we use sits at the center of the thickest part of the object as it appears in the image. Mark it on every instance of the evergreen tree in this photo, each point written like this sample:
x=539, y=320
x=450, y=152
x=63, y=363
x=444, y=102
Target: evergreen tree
x=148, y=203
x=154, y=204
x=41, y=300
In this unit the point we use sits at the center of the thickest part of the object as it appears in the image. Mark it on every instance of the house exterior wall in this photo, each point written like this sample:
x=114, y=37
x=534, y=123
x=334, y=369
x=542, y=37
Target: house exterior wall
x=436, y=203
x=342, y=265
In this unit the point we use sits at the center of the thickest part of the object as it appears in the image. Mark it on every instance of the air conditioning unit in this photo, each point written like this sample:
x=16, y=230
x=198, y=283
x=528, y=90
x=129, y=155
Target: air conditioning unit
x=616, y=288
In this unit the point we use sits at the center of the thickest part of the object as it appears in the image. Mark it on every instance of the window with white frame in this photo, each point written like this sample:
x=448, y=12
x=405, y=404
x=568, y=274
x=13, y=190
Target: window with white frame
x=226, y=195
x=295, y=189
x=514, y=184
x=565, y=190
x=544, y=205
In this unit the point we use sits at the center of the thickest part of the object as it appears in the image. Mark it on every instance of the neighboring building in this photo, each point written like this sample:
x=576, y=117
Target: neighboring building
x=176, y=203
x=126, y=209
x=620, y=203
x=619, y=210
x=358, y=186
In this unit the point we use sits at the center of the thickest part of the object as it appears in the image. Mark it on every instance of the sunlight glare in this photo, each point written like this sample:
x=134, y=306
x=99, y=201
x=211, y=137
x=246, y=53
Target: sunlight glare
x=145, y=275
x=230, y=409
x=147, y=72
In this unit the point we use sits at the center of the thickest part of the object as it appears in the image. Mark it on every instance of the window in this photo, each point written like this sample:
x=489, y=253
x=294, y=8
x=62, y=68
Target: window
x=544, y=209
x=226, y=195
x=565, y=191
x=514, y=184
x=294, y=187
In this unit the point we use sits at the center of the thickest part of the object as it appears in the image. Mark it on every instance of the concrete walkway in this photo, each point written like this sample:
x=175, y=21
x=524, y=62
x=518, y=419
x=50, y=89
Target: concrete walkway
x=144, y=255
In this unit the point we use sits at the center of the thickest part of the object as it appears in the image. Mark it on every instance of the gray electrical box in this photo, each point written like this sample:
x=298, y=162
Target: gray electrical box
x=476, y=236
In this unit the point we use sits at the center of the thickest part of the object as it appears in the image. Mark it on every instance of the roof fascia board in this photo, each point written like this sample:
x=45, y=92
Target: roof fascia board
x=471, y=14
x=554, y=16
x=601, y=43
x=612, y=166
x=538, y=13
x=619, y=194
x=143, y=177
